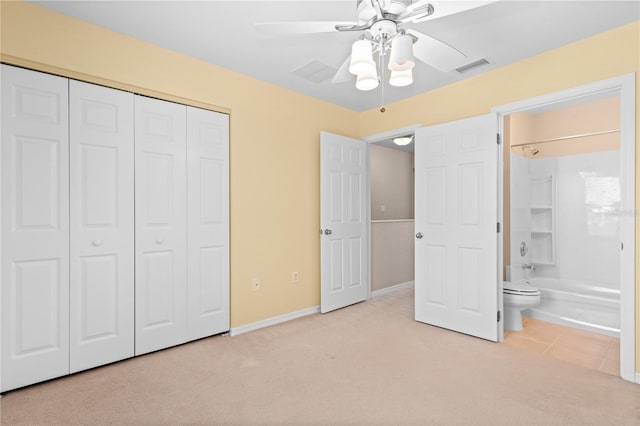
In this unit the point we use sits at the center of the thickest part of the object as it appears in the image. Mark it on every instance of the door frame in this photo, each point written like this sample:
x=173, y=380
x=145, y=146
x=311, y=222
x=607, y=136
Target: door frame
x=624, y=87
x=369, y=140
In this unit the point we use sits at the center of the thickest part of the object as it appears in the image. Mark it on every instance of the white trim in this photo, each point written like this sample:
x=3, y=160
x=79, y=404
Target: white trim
x=386, y=290
x=625, y=87
x=609, y=85
x=392, y=220
x=627, y=227
x=500, y=235
x=273, y=321
x=368, y=218
x=638, y=378
x=391, y=133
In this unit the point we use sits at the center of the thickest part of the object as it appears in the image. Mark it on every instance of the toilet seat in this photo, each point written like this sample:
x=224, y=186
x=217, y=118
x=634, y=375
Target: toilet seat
x=520, y=289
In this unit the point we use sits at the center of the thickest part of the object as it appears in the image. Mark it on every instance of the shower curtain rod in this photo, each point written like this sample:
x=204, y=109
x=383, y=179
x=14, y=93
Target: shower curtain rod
x=605, y=132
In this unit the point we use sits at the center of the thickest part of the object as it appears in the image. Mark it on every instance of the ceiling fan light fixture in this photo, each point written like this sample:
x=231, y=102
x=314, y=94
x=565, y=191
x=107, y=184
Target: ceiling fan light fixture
x=403, y=140
x=367, y=81
x=401, y=78
x=362, y=58
x=401, y=58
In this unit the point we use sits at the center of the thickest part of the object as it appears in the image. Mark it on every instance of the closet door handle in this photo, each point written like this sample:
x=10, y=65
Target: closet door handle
x=159, y=241
x=97, y=243
x=419, y=235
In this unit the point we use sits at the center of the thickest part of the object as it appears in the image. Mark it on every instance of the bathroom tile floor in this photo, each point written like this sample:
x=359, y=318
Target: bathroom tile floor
x=591, y=350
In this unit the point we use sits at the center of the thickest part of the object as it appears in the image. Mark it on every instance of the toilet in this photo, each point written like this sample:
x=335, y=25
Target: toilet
x=518, y=296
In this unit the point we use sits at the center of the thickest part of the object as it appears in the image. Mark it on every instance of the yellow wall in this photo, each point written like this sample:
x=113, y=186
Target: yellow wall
x=274, y=152
x=274, y=132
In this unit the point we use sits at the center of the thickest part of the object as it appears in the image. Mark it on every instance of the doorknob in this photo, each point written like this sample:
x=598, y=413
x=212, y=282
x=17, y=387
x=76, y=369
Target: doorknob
x=159, y=240
x=328, y=232
x=419, y=235
x=97, y=243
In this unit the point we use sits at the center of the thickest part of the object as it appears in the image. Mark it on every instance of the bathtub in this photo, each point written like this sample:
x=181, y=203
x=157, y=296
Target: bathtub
x=589, y=307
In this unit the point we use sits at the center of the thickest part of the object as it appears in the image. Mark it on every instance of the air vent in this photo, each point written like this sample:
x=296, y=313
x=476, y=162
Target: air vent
x=472, y=66
x=315, y=71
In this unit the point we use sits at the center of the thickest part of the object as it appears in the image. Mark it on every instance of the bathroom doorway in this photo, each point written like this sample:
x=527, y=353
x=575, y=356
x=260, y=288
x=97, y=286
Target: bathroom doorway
x=562, y=233
x=568, y=181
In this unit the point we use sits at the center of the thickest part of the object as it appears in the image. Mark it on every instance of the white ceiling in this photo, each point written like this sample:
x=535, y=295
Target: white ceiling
x=223, y=33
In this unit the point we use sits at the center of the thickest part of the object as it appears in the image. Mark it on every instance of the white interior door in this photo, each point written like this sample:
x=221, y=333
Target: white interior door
x=35, y=227
x=344, y=220
x=456, y=279
x=208, y=222
x=101, y=221
x=161, y=225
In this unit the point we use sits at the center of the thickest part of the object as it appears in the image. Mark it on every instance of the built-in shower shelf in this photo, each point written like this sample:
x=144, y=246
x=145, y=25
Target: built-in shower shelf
x=543, y=220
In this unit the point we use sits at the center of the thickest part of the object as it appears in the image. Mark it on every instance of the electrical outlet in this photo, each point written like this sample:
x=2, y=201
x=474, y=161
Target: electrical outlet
x=295, y=277
x=255, y=284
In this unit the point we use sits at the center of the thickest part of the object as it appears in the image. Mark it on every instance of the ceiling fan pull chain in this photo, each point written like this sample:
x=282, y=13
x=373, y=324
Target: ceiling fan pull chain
x=381, y=65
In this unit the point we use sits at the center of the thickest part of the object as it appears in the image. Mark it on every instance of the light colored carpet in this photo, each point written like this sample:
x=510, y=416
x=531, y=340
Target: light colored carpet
x=368, y=364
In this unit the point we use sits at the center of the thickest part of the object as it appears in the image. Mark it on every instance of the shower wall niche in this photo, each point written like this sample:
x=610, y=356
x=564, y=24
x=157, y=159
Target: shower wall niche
x=543, y=207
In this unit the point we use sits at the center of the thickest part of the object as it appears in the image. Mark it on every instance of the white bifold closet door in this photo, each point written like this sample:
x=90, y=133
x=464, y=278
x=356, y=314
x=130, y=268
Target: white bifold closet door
x=35, y=227
x=101, y=240
x=161, y=225
x=208, y=222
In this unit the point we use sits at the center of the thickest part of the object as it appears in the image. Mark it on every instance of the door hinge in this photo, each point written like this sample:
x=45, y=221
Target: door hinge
x=498, y=227
x=498, y=138
x=498, y=316
x=621, y=246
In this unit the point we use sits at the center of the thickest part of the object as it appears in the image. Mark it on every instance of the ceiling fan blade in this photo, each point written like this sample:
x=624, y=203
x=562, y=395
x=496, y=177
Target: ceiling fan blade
x=445, y=8
x=436, y=53
x=377, y=7
x=343, y=75
x=302, y=27
x=413, y=14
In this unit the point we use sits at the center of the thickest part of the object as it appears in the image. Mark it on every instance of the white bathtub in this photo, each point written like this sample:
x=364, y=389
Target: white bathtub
x=575, y=304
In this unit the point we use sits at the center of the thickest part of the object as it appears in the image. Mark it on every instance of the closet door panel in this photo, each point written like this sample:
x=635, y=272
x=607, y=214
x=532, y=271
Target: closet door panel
x=34, y=227
x=161, y=252
x=102, y=232
x=208, y=222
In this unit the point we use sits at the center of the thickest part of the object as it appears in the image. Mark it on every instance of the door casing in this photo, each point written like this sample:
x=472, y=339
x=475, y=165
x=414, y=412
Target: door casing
x=624, y=87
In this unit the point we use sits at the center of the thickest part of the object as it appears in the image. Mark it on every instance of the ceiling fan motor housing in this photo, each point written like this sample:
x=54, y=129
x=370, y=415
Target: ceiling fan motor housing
x=383, y=29
x=367, y=11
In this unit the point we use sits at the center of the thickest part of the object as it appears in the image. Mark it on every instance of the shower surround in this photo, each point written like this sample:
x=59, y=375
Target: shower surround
x=566, y=210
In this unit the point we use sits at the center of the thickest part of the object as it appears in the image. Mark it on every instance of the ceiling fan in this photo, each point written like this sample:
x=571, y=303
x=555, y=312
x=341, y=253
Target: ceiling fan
x=384, y=28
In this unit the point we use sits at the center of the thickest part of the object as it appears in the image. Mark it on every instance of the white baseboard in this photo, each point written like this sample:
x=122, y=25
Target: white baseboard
x=637, y=378
x=392, y=288
x=273, y=321
x=298, y=314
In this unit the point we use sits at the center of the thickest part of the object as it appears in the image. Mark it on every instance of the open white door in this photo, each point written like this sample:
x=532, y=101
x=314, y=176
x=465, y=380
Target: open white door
x=343, y=219
x=456, y=216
